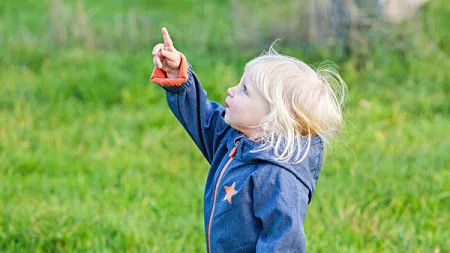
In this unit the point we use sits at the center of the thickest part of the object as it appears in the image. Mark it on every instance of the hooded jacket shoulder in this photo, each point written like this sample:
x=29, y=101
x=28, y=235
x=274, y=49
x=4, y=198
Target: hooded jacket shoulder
x=306, y=172
x=281, y=195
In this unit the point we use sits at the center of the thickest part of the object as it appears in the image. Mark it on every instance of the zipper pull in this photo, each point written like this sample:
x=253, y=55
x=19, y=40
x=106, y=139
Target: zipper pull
x=236, y=143
x=233, y=151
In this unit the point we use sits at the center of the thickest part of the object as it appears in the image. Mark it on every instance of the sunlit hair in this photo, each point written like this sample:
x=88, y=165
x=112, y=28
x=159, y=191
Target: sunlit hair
x=303, y=102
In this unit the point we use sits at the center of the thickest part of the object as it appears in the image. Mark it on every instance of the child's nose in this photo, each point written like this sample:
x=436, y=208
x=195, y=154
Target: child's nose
x=230, y=91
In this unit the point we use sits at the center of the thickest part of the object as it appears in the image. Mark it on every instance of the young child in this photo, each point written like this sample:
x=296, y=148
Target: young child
x=265, y=146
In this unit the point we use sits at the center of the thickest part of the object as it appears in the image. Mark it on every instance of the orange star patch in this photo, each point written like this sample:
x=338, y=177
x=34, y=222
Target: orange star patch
x=230, y=192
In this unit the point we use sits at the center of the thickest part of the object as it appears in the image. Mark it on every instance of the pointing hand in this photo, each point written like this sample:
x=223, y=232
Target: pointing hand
x=166, y=57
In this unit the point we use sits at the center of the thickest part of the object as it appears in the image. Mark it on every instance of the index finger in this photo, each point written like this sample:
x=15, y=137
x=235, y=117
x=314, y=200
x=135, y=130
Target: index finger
x=167, y=39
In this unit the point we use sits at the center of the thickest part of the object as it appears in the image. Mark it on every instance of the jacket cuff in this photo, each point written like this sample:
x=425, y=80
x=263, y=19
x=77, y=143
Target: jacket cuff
x=159, y=76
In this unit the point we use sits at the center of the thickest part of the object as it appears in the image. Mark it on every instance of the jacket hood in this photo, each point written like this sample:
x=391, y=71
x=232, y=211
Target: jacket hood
x=307, y=171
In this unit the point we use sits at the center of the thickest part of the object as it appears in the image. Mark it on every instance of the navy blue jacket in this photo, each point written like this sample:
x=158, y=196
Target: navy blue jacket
x=251, y=202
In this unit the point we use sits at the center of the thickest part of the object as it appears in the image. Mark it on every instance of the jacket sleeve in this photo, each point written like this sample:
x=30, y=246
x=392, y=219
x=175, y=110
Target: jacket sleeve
x=280, y=202
x=187, y=100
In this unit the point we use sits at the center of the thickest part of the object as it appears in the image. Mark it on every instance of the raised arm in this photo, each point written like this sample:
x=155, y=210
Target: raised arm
x=201, y=117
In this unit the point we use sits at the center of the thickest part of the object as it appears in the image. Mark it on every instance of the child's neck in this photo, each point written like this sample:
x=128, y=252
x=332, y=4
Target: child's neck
x=253, y=135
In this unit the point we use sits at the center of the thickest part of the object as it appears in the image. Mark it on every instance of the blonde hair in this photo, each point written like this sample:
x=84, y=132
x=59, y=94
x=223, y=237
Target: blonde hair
x=303, y=102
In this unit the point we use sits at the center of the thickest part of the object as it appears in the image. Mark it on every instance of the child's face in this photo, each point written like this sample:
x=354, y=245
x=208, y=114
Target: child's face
x=245, y=107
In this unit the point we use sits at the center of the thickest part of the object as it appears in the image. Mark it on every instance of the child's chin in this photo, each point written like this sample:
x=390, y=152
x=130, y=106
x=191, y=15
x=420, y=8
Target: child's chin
x=227, y=121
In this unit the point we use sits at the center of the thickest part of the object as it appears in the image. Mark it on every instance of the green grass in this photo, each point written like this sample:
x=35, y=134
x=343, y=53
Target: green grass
x=92, y=159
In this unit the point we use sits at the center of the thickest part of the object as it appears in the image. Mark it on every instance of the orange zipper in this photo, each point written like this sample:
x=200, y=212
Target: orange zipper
x=231, y=156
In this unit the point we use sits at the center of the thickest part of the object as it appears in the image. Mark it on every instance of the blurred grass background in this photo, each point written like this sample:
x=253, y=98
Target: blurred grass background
x=92, y=159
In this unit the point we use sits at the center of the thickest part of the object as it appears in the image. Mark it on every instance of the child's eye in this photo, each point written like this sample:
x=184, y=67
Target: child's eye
x=244, y=88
